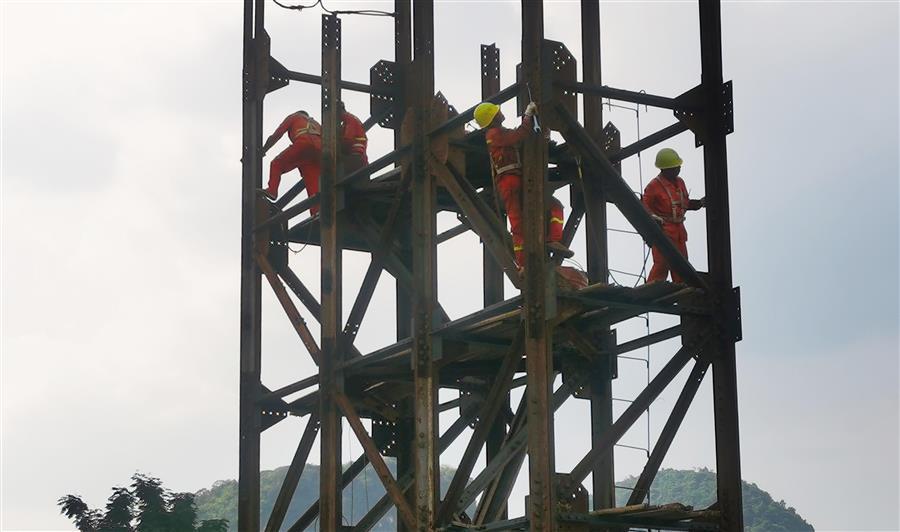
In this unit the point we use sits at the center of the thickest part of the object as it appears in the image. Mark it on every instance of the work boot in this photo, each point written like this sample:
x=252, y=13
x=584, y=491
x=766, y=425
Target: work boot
x=558, y=248
x=265, y=192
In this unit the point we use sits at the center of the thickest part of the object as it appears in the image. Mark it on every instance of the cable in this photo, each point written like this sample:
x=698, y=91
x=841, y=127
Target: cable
x=366, y=12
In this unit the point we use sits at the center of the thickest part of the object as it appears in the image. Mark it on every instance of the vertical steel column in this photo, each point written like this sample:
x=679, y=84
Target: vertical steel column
x=331, y=380
x=492, y=272
x=490, y=85
x=424, y=225
x=402, y=58
x=251, y=278
x=718, y=241
x=604, y=482
x=538, y=335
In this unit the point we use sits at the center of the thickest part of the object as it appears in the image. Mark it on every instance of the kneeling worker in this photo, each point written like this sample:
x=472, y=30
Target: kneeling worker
x=304, y=154
x=506, y=167
x=666, y=199
x=353, y=141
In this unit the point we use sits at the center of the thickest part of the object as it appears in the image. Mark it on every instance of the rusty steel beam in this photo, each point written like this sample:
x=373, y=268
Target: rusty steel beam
x=541, y=508
x=485, y=224
x=603, y=481
x=373, y=272
x=407, y=480
x=250, y=425
x=667, y=435
x=300, y=385
x=377, y=461
x=514, y=447
x=424, y=258
x=718, y=243
x=649, y=141
x=331, y=382
x=344, y=84
x=303, y=294
x=289, y=213
x=487, y=418
x=292, y=477
x=491, y=269
x=404, y=301
x=312, y=513
x=493, y=504
x=290, y=309
x=629, y=416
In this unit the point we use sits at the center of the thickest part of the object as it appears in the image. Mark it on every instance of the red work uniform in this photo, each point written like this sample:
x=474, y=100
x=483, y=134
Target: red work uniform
x=304, y=154
x=503, y=146
x=353, y=143
x=669, y=201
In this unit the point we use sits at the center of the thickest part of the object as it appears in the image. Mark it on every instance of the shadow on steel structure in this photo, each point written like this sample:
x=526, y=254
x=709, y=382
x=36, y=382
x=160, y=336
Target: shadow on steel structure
x=545, y=332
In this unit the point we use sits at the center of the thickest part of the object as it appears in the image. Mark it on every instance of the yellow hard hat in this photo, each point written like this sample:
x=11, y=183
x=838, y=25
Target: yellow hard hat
x=668, y=158
x=485, y=113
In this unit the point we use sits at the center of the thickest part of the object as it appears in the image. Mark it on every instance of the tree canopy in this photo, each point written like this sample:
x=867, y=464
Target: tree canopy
x=144, y=506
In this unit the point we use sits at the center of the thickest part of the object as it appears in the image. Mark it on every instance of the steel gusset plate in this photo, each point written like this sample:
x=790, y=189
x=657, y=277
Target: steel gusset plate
x=383, y=75
x=562, y=68
x=385, y=435
x=693, y=107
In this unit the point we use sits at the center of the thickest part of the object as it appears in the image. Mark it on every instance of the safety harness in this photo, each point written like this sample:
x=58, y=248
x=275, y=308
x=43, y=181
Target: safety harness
x=675, y=218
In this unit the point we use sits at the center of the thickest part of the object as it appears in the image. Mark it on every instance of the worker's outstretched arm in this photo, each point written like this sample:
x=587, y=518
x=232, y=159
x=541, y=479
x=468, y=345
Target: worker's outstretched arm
x=276, y=136
x=502, y=137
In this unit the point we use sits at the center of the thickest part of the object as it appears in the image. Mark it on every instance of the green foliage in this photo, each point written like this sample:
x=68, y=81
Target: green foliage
x=220, y=501
x=144, y=507
x=698, y=489
x=694, y=488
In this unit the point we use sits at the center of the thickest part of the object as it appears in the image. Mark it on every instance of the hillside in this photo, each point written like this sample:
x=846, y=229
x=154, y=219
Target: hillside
x=365, y=491
x=695, y=488
x=698, y=489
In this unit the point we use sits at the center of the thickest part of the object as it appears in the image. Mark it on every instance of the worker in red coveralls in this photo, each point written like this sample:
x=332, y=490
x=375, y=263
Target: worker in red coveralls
x=666, y=199
x=353, y=141
x=304, y=153
x=506, y=167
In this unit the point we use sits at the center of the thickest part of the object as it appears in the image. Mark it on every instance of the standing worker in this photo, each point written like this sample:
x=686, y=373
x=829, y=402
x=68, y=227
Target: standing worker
x=666, y=199
x=506, y=167
x=304, y=154
x=353, y=141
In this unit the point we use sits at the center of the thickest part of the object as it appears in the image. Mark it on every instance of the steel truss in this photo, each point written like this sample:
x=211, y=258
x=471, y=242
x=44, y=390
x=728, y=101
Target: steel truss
x=545, y=332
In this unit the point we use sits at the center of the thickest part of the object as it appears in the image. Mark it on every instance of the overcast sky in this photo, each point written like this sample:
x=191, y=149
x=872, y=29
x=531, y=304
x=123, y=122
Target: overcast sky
x=120, y=239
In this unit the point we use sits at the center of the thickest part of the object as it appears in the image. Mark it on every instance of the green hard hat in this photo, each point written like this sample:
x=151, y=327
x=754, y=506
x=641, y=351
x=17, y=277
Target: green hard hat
x=667, y=158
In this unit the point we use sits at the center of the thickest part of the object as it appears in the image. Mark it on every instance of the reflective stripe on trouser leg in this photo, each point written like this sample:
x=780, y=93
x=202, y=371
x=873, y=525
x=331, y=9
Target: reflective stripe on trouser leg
x=556, y=221
x=510, y=189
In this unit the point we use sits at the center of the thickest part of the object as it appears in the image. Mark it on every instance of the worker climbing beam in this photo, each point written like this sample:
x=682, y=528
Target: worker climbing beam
x=620, y=193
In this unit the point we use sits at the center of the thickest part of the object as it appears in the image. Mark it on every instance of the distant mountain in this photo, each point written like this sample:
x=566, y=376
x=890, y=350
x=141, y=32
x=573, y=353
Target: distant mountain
x=698, y=489
x=694, y=488
x=363, y=493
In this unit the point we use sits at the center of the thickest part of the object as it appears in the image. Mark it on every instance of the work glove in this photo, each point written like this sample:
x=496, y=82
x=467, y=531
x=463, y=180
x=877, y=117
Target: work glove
x=530, y=109
x=658, y=219
x=697, y=204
